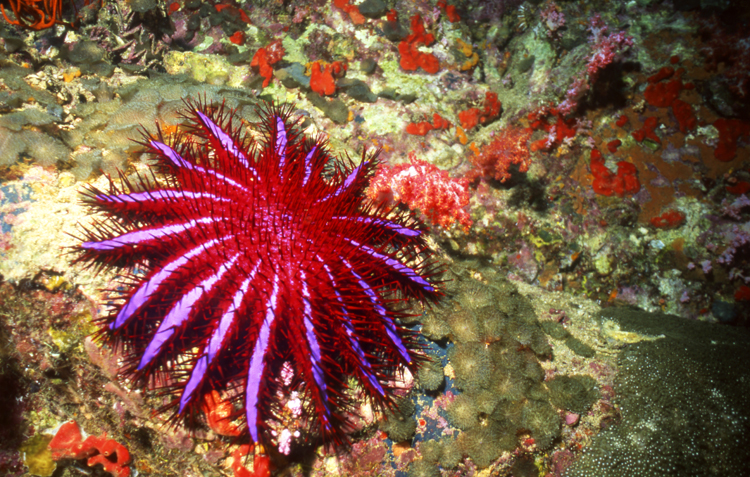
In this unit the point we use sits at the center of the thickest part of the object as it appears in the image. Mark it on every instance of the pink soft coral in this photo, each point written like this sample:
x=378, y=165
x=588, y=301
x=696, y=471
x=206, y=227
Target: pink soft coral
x=606, y=48
x=423, y=186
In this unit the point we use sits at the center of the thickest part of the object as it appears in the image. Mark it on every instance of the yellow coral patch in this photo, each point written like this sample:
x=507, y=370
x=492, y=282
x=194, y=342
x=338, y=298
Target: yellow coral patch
x=470, y=63
x=473, y=57
x=461, y=135
x=465, y=47
x=71, y=74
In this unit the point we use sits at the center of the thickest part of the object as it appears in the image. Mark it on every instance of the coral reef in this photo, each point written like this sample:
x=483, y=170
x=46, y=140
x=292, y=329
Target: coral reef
x=425, y=187
x=423, y=468
x=430, y=375
x=574, y=393
x=494, y=361
x=595, y=155
x=462, y=412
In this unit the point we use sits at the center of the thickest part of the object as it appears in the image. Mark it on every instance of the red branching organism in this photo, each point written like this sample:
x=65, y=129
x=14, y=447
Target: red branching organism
x=553, y=18
x=624, y=182
x=265, y=58
x=606, y=48
x=261, y=463
x=353, y=10
x=36, y=14
x=489, y=112
x=425, y=187
x=509, y=147
x=423, y=127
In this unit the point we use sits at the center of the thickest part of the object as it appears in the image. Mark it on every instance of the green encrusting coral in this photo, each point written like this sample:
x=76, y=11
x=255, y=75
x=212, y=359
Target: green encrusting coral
x=685, y=400
x=557, y=331
x=103, y=139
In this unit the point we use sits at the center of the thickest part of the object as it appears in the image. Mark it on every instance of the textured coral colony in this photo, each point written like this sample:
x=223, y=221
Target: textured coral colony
x=374, y=238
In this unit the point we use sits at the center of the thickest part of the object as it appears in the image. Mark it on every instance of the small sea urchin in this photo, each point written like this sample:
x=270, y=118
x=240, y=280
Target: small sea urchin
x=258, y=267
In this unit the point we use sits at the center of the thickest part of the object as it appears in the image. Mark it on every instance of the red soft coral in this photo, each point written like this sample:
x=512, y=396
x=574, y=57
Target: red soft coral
x=423, y=186
x=423, y=127
x=354, y=14
x=321, y=80
x=473, y=116
x=510, y=146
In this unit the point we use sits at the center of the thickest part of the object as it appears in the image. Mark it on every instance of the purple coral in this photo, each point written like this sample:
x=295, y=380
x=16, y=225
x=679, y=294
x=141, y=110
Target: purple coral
x=553, y=18
x=734, y=208
x=739, y=236
x=606, y=49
